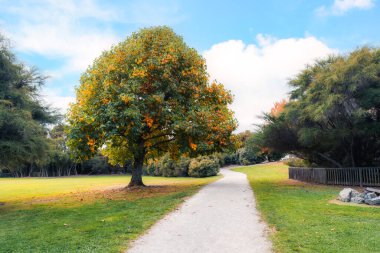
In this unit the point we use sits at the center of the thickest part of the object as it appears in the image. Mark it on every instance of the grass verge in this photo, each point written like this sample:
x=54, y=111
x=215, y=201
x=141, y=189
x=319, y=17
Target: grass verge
x=84, y=214
x=303, y=219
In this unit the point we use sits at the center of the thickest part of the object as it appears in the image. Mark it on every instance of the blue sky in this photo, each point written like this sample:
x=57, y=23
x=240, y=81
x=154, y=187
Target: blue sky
x=253, y=47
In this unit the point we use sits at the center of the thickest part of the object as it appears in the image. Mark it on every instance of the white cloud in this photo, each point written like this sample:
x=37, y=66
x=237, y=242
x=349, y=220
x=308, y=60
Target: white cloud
x=75, y=32
x=78, y=30
x=257, y=74
x=340, y=7
x=57, y=29
x=53, y=98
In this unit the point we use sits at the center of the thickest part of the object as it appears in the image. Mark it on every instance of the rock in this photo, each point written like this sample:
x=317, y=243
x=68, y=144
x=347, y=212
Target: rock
x=355, y=193
x=357, y=200
x=374, y=201
x=368, y=189
x=369, y=195
x=345, y=195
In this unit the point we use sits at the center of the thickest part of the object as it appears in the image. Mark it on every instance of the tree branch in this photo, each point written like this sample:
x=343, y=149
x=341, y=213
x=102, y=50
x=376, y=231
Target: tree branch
x=158, y=136
x=329, y=159
x=161, y=142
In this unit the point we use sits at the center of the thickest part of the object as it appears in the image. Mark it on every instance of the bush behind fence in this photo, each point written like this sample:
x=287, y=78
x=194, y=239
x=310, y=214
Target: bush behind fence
x=361, y=176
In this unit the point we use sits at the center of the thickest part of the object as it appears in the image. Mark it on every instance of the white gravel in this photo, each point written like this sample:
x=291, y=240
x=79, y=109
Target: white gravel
x=221, y=217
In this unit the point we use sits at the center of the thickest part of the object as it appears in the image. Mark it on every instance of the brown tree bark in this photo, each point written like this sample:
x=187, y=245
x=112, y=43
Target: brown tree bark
x=137, y=169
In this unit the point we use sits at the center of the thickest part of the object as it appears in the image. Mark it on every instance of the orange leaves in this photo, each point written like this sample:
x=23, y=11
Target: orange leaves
x=193, y=72
x=107, y=83
x=105, y=101
x=148, y=121
x=148, y=144
x=91, y=144
x=125, y=98
x=192, y=145
x=110, y=68
x=278, y=108
x=138, y=73
x=167, y=59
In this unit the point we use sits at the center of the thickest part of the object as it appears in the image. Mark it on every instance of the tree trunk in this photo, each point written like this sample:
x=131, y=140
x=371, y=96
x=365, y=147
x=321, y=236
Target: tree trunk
x=137, y=168
x=31, y=170
x=352, y=152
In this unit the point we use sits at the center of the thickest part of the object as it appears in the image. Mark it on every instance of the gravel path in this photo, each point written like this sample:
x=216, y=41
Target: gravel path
x=221, y=217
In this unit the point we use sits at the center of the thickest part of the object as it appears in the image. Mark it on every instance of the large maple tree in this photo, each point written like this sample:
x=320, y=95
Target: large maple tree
x=148, y=95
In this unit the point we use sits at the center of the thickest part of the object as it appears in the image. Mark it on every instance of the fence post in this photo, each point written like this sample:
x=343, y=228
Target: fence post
x=361, y=177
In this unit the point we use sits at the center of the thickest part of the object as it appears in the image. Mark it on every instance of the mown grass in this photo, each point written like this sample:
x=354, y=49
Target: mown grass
x=84, y=214
x=303, y=219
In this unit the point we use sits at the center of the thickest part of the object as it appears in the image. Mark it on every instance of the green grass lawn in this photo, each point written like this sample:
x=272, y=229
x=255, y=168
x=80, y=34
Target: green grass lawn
x=86, y=213
x=303, y=219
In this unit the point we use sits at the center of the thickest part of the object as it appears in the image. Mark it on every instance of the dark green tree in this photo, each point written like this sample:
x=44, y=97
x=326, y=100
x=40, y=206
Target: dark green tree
x=23, y=117
x=333, y=116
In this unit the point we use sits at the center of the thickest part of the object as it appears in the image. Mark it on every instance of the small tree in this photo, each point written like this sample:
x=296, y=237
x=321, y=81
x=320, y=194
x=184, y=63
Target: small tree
x=146, y=96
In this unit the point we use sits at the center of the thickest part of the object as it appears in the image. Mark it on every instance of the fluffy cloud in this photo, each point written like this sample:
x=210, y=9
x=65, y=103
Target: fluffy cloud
x=74, y=32
x=77, y=30
x=57, y=29
x=53, y=98
x=340, y=7
x=257, y=74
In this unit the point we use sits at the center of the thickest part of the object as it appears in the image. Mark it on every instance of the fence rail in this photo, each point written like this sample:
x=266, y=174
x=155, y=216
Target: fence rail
x=369, y=176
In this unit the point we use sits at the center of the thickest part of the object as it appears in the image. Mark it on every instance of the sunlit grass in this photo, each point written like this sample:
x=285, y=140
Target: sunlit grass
x=303, y=219
x=16, y=189
x=86, y=213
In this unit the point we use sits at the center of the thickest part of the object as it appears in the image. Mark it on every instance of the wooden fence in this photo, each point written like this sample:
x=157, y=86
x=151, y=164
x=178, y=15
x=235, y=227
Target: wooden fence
x=337, y=176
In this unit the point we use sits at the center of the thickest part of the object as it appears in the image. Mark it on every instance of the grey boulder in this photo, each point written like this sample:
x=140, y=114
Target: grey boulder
x=357, y=200
x=370, y=195
x=374, y=201
x=345, y=195
x=355, y=193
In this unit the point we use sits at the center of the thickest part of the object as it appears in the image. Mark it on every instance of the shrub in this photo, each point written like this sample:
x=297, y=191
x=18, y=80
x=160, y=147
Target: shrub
x=243, y=157
x=152, y=168
x=230, y=158
x=220, y=157
x=182, y=167
x=248, y=156
x=168, y=167
x=297, y=162
x=204, y=166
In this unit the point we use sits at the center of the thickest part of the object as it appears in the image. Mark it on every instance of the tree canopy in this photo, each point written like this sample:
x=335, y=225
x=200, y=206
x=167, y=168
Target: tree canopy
x=333, y=116
x=23, y=116
x=149, y=95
